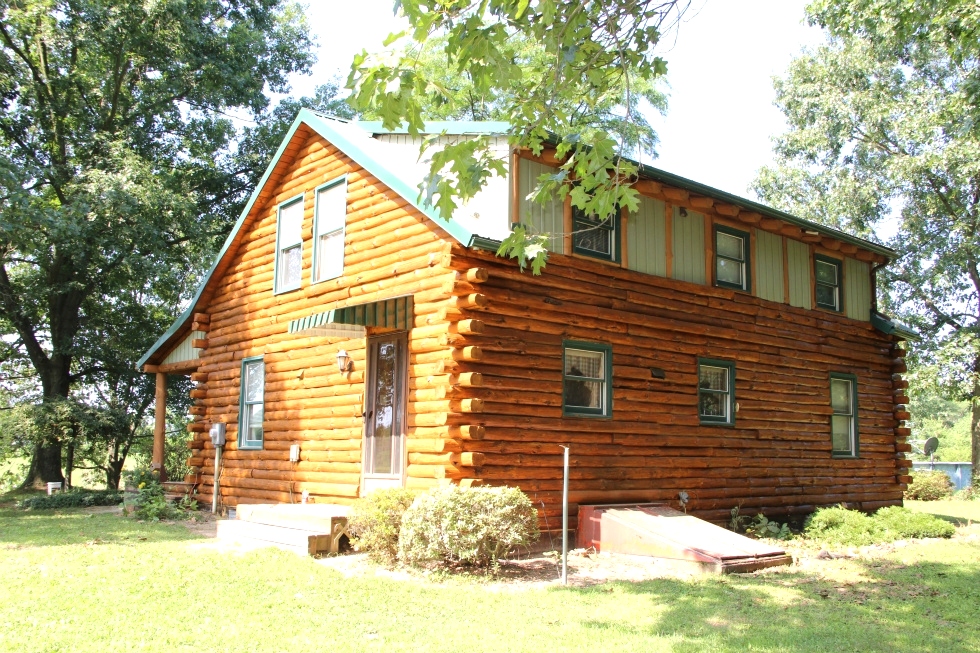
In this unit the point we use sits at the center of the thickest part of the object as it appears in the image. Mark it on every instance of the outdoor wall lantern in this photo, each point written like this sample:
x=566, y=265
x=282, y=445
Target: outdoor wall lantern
x=344, y=363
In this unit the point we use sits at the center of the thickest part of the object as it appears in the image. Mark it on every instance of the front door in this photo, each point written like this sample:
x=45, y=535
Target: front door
x=384, y=417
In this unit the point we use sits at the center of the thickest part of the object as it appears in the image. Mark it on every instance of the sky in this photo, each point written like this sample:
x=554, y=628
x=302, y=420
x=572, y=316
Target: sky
x=720, y=119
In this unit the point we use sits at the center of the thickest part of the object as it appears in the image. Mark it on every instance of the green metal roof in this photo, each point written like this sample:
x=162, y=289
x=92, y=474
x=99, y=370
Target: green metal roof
x=449, y=127
x=395, y=313
x=889, y=326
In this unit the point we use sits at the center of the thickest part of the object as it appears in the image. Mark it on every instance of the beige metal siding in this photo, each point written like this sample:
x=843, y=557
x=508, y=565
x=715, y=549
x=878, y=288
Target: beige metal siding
x=857, y=289
x=769, y=266
x=540, y=218
x=800, y=270
x=184, y=351
x=646, y=234
x=688, y=246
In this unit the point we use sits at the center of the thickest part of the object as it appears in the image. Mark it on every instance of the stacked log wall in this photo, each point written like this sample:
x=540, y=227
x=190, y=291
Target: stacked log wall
x=390, y=250
x=775, y=459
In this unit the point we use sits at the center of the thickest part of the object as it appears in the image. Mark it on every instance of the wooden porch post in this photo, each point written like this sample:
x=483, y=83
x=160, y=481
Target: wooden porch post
x=160, y=427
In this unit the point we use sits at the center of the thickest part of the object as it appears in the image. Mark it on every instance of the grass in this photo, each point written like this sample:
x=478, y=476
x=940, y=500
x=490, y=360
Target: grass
x=959, y=513
x=77, y=581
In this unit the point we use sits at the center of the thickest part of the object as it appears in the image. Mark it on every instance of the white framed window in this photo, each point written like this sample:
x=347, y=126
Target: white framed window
x=843, y=422
x=732, y=269
x=716, y=391
x=587, y=379
x=828, y=282
x=329, y=222
x=252, y=404
x=289, y=246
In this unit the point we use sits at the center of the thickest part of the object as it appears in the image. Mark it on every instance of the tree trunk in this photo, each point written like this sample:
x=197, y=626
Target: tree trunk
x=46, y=463
x=45, y=466
x=69, y=463
x=114, y=466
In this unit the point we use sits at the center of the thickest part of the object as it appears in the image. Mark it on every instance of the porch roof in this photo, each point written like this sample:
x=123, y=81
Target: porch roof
x=351, y=321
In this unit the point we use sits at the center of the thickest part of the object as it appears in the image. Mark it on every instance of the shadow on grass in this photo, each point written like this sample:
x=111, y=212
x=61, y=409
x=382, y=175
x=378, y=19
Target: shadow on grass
x=35, y=528
x=892, y=607
x=954, y=520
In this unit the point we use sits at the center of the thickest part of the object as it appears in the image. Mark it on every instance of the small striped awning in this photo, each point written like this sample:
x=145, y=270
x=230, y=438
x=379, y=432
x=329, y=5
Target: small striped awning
x=351, y=321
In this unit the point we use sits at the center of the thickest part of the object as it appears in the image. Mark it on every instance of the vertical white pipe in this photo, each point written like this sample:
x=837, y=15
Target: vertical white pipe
x=564, y=523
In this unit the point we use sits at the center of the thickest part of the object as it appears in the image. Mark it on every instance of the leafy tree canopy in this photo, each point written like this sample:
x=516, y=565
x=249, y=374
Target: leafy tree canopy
x=116, y=172
x=557, y=70
x=881, y=135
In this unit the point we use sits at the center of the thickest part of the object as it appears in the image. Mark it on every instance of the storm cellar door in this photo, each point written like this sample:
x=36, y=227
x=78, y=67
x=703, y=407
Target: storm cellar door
x=384, y=413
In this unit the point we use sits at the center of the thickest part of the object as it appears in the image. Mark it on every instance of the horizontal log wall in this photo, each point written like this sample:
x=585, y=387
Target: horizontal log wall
x=390, y=250
x=777, y=458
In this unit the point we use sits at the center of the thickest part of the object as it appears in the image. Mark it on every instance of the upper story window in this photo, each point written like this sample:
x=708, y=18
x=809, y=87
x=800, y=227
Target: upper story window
x=586, y=379
x=843, y=423
x=330, y=219
x=594, y=237
x=716, y=391
x=252, y=404
x=732, y=269
x=827, y=274
x=289, y=246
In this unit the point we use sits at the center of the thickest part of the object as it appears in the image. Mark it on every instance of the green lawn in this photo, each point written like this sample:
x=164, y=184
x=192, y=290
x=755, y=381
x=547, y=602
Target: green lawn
x=82, y=582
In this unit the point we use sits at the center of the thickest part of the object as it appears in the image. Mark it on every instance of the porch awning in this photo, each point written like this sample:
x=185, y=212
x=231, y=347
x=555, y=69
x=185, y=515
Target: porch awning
x=351, y=321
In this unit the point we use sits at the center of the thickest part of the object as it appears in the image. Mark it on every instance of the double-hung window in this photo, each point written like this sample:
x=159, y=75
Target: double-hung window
x=826, y=272
x=252, y=404
x=594, y=237
x=843, y=423
x=732, y=269
x=289, y=245
x=587, y=379
x=716, y=391
x=329, y=222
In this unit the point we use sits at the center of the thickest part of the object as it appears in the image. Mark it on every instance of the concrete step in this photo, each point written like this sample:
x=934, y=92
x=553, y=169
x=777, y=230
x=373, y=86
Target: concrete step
x=321, y=517
x=313, y=528
x=660, y=531
x=308, y=542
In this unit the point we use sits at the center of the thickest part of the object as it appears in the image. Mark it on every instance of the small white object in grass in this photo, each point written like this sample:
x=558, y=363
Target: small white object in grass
x=53, y=487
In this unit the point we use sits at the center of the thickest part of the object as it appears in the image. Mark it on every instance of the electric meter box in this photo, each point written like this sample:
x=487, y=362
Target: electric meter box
x=217, y=434
x=294, y=453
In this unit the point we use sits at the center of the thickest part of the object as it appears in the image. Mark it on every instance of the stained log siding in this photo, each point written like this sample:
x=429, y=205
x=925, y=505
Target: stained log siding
x=390, y=250
x=776, y=458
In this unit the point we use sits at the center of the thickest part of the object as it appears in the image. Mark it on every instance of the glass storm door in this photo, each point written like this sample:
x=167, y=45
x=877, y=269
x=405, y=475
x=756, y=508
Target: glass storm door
x=384, y=419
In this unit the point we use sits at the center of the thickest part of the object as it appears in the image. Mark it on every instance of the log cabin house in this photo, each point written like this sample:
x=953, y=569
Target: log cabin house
x=705, y=345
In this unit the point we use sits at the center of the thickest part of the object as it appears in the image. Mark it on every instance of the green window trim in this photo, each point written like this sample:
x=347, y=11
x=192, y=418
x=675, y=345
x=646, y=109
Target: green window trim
x=573, y=385
x=837, y=289
x=853, y=450
x=582, y=226
x=314, y=278
x=744, y=261
x=246, y=410
x=277, y=283
x=708, y=395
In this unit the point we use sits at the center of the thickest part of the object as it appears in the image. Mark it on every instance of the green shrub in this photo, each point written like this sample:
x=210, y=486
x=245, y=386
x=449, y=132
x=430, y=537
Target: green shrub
x=762, y=526
x=476, y=526
x=376, y=521
x=152, y=505
x=853, y=528
x=842, y=526
x=72, y=499
x=929, y=485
